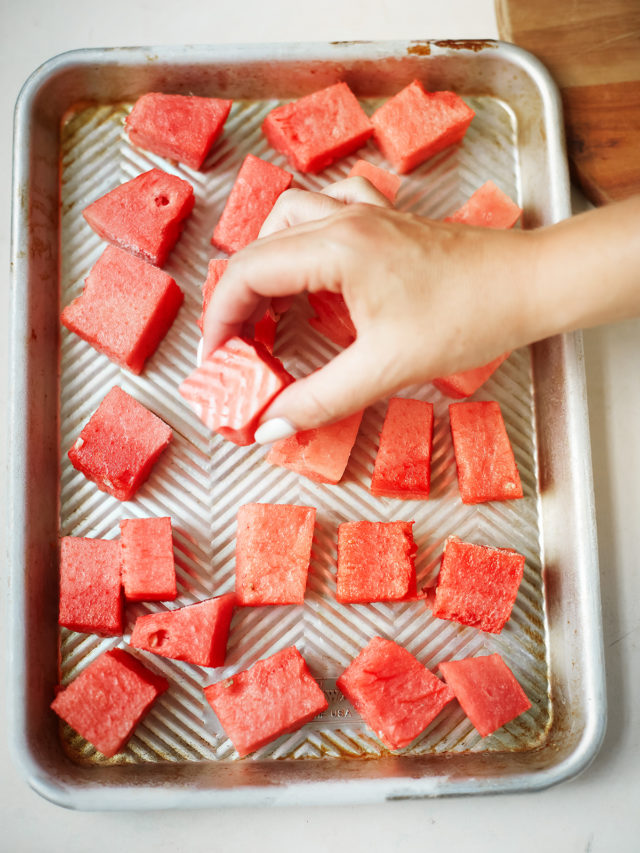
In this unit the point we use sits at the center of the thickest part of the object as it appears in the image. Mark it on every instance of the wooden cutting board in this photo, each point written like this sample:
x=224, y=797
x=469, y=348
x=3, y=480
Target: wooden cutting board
x=592, y=49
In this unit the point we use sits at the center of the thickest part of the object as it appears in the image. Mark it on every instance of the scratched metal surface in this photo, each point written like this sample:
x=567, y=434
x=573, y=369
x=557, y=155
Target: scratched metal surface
x=202, y=480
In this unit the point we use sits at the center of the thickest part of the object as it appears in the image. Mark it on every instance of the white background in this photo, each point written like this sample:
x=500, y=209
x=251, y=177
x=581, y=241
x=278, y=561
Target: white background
x=599, y=811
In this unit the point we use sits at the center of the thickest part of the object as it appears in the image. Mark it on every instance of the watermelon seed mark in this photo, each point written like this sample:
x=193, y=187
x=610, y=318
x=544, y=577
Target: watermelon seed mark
x=157, y=638
x=161, y=200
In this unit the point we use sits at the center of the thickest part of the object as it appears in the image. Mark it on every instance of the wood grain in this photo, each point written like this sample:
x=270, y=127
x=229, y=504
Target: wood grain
x=592, y=49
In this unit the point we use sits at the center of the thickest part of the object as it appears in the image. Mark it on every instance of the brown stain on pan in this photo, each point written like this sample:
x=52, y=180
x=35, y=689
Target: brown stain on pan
x=467, y=44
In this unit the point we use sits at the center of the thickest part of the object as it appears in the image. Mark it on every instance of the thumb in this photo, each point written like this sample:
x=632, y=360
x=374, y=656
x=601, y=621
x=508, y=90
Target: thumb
x=347, y=384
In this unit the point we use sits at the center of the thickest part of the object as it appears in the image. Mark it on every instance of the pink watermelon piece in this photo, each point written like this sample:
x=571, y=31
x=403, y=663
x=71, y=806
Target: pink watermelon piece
x=402, y=468
x=384, y=181
x=414, y=125
x=273, y=549
x=108, y=699
x=318, y=129
x=488, y=207
x=265, y=329
x=320, y=454
x=255, y=191
x=393, y=692
x=126, y=308
x=148, y=568
x=332, y=317
x=467, y=382
x=197, y=633
x=487, y=691
x=477, y=585
x=145, y=215
x=275, y=696
x=375, y=561
x=233, y=386
x=180, y=127
x=119, y=445
x=90, y=591
x=487, y=469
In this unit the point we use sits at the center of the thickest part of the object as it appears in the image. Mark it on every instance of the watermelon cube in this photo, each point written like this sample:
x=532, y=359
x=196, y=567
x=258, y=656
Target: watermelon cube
x=375, y=561
x=487, y=691
x=477, y=585
x=145, y=215
x=108, y=699
x=332, y=319
x=274, y=697
x=196, y=634
x=488, y=207
x=126, y=308
x=393, y=692
x=320, y=454
x=384, y=181
x=318, y=129
x=273, y=550
x=233, y=386
x=264, y=331
x=402, y=468
x=148, y=569
x=90, y=591
x=467, y=382
x=486, y=465
x=119, y=445
x=252, y=196
x=414, y=125
x=180, y=127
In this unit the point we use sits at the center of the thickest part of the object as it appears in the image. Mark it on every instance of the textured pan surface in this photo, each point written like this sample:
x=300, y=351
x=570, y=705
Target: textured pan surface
x=202, y=480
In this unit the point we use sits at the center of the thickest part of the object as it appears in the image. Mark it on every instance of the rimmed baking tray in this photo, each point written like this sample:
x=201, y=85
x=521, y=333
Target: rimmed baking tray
x=69, y=149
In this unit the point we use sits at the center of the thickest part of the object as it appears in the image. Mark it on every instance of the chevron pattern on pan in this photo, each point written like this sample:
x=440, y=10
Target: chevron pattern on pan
x=201, y=480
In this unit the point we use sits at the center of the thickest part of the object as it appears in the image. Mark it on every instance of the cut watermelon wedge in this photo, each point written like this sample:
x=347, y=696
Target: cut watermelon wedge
x=145, y=215
x=384, y=181
x=233, y=387
x=394, y=693
x=148, y=569
x=90, y=585
x=332, y=317
x=196, y=633
x=487, y=691
x=402, y=467
x=275, y=696
x=180, y=127
x=488, y=207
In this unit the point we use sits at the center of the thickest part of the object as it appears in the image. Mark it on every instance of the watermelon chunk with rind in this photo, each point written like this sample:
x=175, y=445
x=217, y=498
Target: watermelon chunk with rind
x=126, y=308
x=486, y=466
x=265, y=329
x=144, y=216
x=120, y=444
x=179, y=127
x=414, y=125
x=402, y=467
x=255, y=191
x=320, y=454
x=233, y=387
x=375, y=562
x=319, y=128
x=90, y=585
x=275, y=696
x=197, y=633
x=105, y=703
x=396, y=695
x=477, y=585
x=273, y=550
x=148, y=567
x=487, y=691
x=384, y=181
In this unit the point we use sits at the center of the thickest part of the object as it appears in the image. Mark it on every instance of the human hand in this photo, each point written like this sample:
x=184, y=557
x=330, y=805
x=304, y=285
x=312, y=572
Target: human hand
x=427, y=298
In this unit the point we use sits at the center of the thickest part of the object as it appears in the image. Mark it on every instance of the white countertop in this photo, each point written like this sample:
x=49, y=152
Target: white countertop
x=596, y=812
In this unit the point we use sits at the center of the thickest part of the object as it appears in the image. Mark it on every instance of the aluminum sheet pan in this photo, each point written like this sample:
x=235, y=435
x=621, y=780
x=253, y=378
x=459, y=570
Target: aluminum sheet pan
x=70, y=116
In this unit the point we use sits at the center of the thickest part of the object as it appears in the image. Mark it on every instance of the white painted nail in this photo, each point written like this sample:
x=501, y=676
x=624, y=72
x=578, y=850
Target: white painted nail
x=274, y=430
x=199, y=353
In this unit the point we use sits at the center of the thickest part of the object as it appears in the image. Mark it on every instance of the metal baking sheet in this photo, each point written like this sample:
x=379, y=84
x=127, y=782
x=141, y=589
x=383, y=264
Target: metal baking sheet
x=70, y=116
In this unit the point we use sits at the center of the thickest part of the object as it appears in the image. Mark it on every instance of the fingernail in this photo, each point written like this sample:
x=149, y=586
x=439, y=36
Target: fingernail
x=274, y=430
x=199, y=352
